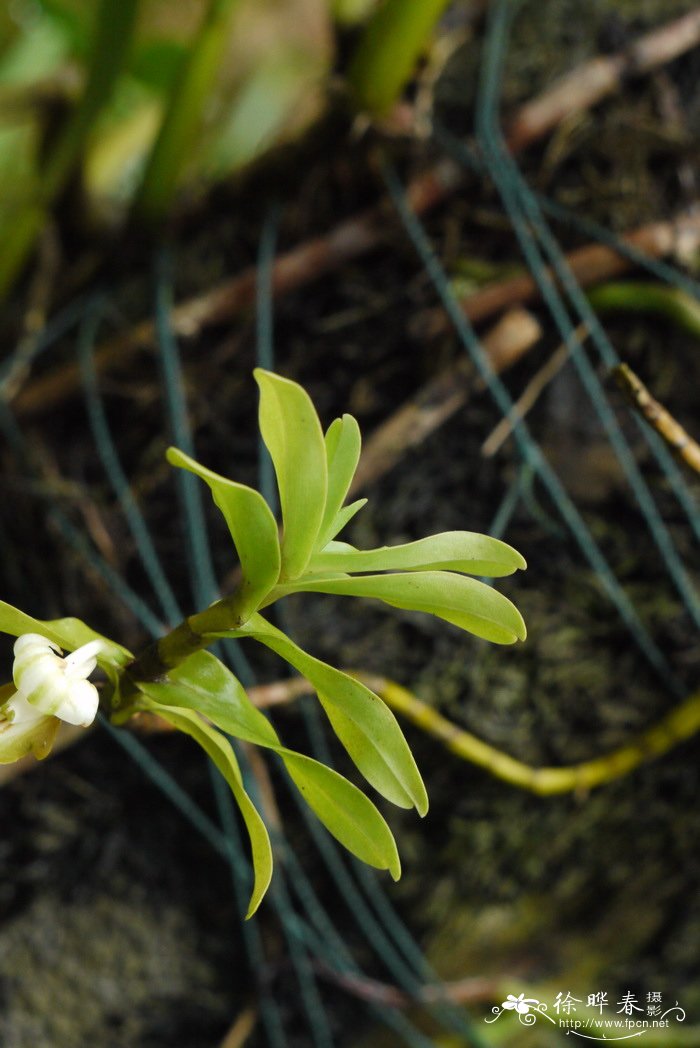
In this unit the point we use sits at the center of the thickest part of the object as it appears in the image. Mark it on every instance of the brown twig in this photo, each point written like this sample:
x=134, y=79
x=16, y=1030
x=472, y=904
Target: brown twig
x=589, y=83
x=471, y=990
x=579, y=90
x=590, y=264
x=678, y=439
x=293, y=269
x=514, y=334
x=530, y=395
x=242, y=1028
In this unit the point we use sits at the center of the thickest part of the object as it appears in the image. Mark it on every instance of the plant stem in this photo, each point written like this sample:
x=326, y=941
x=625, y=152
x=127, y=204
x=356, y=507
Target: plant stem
x=182, y=121
x=388, y=50
x=114, y=27
x=192, y=635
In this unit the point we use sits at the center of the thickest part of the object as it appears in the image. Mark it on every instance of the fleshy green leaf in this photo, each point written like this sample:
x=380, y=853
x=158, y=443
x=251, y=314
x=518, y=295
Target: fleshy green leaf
x=343, y=517
x=363, y=722
x=16, y=622
x=252, y=527
x=293, y=435
x=464, y=551
x=204, y=684
x=466, y=603
x=343, y=446
x=345, y=811
x=219, y=750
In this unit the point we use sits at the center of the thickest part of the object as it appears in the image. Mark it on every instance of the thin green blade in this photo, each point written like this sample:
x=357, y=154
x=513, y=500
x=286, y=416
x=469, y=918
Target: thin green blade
x=219, y=750
x=376, y=745
x=343, y=445
x=463, y=551
x=465, y=602
x=202, y=684
x=293, y=436
x=345, y=812
x=253, y=530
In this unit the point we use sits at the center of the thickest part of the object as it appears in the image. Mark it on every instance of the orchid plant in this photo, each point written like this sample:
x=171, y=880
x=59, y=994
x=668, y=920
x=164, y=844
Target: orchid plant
x=186, y=685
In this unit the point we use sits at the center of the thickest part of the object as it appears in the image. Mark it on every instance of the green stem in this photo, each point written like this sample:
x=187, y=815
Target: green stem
x=680, y=724
x=647, y=297
x=183, y=118
x=389, y=49
x=192, y=635
x=113, y=33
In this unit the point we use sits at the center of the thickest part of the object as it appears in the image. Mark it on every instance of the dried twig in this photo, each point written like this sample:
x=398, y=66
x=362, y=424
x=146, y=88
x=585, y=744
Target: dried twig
x=590, y=264
x=674, y=728
x=580, y=89
x=589, y=83
x=471, y=990
x=442, y=397
x=295, y=268
x=678, y=439
x=529, y=396
x=242, y=1028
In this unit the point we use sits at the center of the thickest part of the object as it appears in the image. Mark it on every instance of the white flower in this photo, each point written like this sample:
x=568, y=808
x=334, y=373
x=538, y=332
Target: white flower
x=48, y=685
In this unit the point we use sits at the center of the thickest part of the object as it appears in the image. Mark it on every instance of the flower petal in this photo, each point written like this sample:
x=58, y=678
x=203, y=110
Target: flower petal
x=79, y=704
x=81, y=662
x=27, y=736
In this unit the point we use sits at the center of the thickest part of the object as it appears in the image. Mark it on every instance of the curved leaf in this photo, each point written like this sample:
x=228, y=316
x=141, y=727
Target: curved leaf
x=363, y=722
x=464, y=551
x=466, y=603
x=253, y=529
x=345, y=811
x=16, y=622
x=343, y=446
x=219, y=750
x=293, y=436
x=343, y=517
x=203, y=684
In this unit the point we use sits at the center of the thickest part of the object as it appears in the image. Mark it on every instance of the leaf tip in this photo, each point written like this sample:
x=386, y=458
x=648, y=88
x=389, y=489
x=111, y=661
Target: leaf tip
x=253, y=907
x=174, y=456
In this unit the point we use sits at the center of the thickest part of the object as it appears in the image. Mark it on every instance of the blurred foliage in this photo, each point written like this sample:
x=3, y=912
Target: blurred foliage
x=188, y=95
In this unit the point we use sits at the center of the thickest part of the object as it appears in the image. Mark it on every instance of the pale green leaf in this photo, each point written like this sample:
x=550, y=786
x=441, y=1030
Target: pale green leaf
x=463, y=551
x=16, y=622
x=343, y=517
x=345, y=811
x=343, y=446
x=219, y=750
x=252, y=527
x=467, y=603
x=293, y=436
x=364, y=723
x=203, y=684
